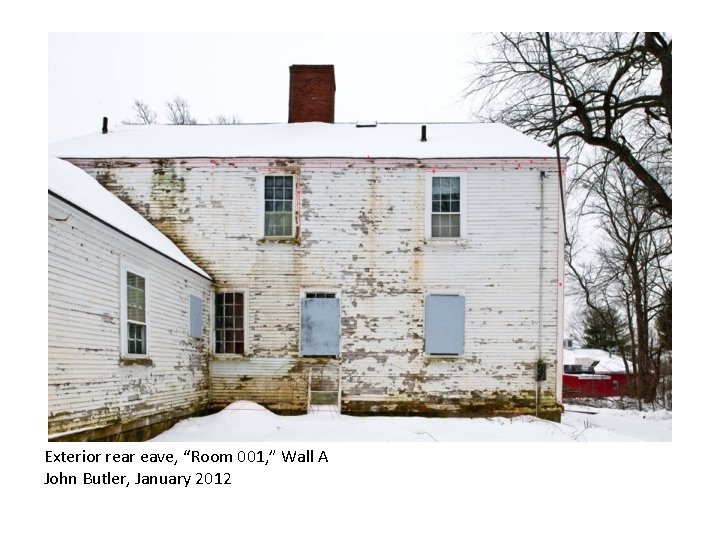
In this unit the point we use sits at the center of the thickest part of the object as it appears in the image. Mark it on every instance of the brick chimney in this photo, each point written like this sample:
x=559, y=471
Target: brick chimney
x=312, y=94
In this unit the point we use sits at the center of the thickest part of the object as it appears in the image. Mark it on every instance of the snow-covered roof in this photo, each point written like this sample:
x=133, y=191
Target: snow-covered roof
x=79, y=188
x=607, y=363
x=306, y=139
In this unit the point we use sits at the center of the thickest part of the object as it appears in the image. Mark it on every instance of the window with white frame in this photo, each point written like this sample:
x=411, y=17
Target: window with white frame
x=230, y=323
x=278, y=199
x=135, y=316
x=445, y=207
x=444, y=324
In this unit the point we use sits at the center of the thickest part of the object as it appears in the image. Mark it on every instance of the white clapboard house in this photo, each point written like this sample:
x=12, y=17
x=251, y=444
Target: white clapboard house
x=128, y=317
x=390, y=268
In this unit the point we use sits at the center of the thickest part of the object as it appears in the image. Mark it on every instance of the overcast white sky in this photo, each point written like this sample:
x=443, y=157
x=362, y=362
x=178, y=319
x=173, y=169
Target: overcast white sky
x=384, y=77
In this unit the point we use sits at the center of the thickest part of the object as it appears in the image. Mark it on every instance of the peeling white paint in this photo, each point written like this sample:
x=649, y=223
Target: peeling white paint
x=362, y=225
x=88, y=386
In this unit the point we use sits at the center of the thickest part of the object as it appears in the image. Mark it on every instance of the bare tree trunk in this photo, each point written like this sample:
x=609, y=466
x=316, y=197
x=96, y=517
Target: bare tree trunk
x=646, y=388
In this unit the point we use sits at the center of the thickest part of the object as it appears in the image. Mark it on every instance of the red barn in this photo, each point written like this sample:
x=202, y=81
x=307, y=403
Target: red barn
x=593, y=373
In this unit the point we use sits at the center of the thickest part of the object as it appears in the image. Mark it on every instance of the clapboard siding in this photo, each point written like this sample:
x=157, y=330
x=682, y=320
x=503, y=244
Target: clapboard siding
x=89, y=387
x=362, y=232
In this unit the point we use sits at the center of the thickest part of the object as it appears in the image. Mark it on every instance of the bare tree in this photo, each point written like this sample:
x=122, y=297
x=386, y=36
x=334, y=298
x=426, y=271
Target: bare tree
x=178, y=111
x=628, y=265
x=664, y=322
x=614, y=120
x=143, y=113
x=613, y=90
x=226, y=119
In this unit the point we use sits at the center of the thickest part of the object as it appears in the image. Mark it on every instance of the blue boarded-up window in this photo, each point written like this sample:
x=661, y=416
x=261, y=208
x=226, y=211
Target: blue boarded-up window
x=319, y=325
x=195, y=316
x=444, y=324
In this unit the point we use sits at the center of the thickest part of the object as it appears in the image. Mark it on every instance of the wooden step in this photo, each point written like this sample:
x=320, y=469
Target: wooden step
x=324, y=397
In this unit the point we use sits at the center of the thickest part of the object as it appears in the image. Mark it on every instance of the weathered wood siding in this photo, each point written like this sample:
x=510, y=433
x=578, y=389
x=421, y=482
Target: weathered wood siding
x=362, y=232
x=90, y=389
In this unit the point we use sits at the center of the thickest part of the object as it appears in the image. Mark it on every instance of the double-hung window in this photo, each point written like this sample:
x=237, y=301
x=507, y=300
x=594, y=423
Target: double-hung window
x=230, y=323
x=278, y=206
x=446, y=202
x=135, y=314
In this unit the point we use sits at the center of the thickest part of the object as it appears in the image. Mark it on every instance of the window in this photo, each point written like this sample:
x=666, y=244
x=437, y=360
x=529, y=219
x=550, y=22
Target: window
x=230, y=323
x=320, y=324
x=278, y=207
x=195, y=330
x=446, y=206
x=445, y=202
x=320, y=295
x=616, y=384
x=444, y=324
x=578, y=369
x=135, y=314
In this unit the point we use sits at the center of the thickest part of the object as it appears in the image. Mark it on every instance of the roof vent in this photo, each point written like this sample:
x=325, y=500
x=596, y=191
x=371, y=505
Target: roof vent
x=104, y=126
x=423, y=134
x=366, y=123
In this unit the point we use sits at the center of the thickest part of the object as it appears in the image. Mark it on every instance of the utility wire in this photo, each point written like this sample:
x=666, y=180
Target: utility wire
x=557, y=141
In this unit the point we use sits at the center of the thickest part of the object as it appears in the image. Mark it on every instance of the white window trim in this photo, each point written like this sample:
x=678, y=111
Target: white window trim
x=261, y=207
x=450, y=291
x=338, y=295
x=246, y=301
x=446, y=292
x=142, y=272
x=463, y=205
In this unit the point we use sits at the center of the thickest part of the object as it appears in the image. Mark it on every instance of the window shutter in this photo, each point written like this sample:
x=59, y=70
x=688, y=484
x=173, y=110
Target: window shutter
x=195, y=316
x=444, y=324
x=320, y=326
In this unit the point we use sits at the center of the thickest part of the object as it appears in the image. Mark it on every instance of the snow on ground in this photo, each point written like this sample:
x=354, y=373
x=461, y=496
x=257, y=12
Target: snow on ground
x=248, y=421
x=638, y=425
